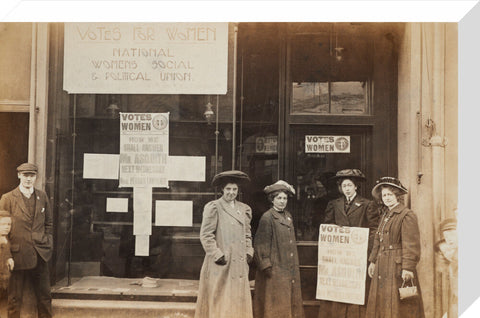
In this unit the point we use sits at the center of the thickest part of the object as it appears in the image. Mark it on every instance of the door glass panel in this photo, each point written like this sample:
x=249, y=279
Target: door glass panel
x=312, y=173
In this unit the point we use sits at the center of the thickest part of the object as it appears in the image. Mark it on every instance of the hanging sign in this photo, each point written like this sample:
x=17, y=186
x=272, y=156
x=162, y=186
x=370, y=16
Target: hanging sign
x=144, y=149
x=342, y=263
x=146, y=58
x=327, y=144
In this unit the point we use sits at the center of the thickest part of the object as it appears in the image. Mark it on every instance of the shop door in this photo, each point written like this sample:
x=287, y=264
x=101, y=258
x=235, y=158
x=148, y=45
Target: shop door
x=312, y=170
x=311, y=173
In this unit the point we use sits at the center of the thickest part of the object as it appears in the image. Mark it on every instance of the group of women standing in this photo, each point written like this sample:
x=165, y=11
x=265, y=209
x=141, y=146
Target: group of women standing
x=224, y=290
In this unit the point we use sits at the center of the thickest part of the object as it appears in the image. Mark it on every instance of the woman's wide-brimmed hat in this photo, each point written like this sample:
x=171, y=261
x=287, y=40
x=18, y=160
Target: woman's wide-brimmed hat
x=234, y=176
x=391, y=181
x=280, y=185
x=353, y=174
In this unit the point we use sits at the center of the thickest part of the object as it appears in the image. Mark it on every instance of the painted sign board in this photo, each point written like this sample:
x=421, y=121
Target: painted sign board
x=146, y=58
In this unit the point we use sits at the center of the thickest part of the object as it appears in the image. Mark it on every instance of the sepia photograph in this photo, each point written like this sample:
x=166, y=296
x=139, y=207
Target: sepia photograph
x=214, y=169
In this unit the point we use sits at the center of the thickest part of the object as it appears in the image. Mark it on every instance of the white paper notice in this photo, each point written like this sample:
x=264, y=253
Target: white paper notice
x=142, y=211
x=342, y=263
x=173, y=213
x=117, y=205
x=186, y=168
x=327, y=144
x=100, y=166
x=143, y=150
x=142, y=245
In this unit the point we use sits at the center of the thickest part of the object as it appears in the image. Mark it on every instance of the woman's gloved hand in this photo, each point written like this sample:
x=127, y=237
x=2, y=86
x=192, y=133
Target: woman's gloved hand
x=221, y=261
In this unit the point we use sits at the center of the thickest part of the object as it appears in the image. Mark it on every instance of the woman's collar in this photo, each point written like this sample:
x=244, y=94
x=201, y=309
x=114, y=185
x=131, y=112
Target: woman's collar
x=397, y=208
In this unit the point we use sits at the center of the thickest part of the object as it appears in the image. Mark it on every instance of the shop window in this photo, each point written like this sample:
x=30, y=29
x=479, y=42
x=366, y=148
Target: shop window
x=258, y=112
x=94, y=122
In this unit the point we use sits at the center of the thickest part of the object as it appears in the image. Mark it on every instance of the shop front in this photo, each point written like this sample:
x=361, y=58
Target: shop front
x=302, y=101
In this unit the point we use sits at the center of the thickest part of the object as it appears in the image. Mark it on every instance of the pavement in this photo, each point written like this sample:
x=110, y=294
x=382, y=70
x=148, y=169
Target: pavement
x=111, y=297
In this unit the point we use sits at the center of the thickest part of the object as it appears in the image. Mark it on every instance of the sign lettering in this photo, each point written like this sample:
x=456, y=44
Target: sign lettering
x=146, y=58
x=342, y=263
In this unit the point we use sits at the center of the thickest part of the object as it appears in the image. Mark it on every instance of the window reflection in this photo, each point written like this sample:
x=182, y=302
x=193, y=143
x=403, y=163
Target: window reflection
x=329, y=97
x=310, y=98
x=348, y=97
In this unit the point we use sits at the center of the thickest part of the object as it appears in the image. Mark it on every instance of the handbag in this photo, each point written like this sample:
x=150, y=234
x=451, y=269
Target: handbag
x=407, y=292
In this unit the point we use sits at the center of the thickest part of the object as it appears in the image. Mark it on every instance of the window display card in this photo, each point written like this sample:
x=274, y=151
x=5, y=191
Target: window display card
x=142, y=245
x=186, y=168
x=117, y=205
x=173, y=213
x=142, y=211
x=100, y=166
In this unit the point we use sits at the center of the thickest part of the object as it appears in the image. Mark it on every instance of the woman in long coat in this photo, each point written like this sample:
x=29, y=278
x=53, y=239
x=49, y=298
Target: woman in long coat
x=277, y=281
x=225, y=235
x=350, y=210
x=395, y=255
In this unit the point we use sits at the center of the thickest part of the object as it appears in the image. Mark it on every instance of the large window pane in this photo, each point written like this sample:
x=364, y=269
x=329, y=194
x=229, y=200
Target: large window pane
x=310, y=98
x=103, y=242
x=349, y=97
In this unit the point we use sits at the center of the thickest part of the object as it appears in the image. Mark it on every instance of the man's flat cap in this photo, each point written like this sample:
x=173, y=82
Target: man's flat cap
x=27, y=167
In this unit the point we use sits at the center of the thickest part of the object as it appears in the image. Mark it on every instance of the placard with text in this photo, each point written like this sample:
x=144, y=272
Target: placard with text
x=144, y=149
x=342, y=263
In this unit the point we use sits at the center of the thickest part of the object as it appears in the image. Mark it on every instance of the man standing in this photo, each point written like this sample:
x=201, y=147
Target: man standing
x=31, y=241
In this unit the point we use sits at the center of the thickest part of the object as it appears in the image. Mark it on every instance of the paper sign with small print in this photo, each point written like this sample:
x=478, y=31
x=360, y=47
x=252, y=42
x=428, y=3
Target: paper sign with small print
x=327, y=144
x=342, y=263
x=267, y=144
x=143, y=149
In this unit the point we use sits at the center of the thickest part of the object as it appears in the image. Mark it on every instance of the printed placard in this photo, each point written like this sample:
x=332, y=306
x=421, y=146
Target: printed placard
x=143, y=149
x=342, y=263
x=327, y=144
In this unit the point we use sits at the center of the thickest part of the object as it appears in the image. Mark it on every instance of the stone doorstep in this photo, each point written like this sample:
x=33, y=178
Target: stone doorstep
x=73, y=308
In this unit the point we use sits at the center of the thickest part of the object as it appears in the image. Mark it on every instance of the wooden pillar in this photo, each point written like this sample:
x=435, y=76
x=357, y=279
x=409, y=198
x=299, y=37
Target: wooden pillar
x=37, y=141
x=426, y=76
